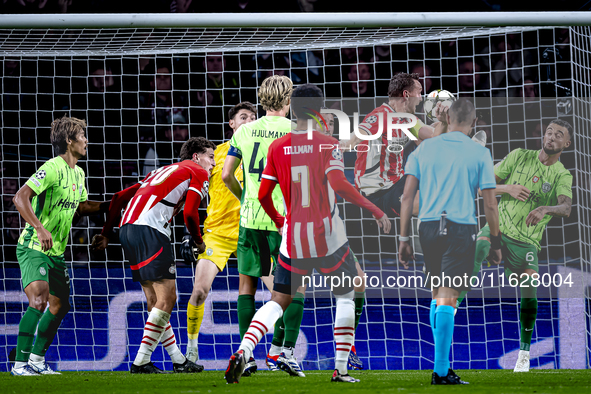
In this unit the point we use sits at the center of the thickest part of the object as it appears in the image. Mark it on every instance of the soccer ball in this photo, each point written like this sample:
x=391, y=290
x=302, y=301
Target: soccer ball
x=443, y=96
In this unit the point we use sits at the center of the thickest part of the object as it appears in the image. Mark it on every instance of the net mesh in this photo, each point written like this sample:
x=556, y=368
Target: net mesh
x=89, y=42
x=144, y=91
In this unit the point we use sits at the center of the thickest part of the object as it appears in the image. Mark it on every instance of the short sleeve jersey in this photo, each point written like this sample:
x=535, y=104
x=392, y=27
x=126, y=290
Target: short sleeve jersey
x=545, y=183
x=450, y=169
x=251, y=143
x=59, y=189
x=162, y=195
x=379, y=162
x=313, y=227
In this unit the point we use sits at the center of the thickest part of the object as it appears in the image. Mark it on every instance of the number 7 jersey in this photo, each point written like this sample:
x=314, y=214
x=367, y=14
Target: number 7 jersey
x=313, y=227
x=250, y=144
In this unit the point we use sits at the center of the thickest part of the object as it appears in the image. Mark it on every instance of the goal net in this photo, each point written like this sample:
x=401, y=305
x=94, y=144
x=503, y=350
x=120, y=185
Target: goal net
x=143, y=91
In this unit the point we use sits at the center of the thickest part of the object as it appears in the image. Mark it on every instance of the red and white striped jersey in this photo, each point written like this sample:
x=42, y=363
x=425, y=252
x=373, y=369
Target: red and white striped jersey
x=313, y=227
x=162, y=195
x=379, y=161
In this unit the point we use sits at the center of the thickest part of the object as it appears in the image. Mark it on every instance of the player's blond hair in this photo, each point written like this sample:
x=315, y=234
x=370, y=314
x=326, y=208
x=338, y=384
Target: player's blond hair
x=64, y=129
x=275, y=92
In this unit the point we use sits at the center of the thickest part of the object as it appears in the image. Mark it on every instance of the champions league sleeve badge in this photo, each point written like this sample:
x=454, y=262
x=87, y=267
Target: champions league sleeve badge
x=337, y=155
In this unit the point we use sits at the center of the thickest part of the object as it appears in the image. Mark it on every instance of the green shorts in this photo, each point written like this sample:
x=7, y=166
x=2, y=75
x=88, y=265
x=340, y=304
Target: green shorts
x=518, y=256
x=35, y=266
x=257, y=251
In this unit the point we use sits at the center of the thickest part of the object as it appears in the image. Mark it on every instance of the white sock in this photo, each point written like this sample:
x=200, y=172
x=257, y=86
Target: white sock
x=19, y=364
x=153, y=330
x=192, y=343
x=275, y=350
x=259, y=326
x=169, y=342
x=344, y=332
x=36, y=359
x=288, y=351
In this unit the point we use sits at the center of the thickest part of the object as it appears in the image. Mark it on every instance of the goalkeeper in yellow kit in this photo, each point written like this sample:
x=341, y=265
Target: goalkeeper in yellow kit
x=220, y=231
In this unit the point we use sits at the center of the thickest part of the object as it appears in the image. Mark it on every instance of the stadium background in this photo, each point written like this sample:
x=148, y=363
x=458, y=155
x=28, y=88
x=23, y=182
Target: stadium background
x=140, y=108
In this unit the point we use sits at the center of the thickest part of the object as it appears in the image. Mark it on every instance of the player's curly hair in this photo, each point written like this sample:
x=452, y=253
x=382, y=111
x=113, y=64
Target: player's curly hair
x=306, y=98
x=247, y=105
x=401, y=82
x=195, y=145
x=64, y=129
x=566, y=125
x=275, y=92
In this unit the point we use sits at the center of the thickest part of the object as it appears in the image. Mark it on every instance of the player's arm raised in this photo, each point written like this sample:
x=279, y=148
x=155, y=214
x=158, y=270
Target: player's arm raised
x=228, y=173
x=22, y=202
x=440, y=127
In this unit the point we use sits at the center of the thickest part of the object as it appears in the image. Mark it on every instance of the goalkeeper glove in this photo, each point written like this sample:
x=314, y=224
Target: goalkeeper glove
x=187, y=250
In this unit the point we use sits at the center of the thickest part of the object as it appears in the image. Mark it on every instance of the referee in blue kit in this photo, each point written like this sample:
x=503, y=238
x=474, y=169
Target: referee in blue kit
x=449, y=170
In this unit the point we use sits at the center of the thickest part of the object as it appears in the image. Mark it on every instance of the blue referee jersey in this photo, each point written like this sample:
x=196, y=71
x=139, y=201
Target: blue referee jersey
x=450, y=169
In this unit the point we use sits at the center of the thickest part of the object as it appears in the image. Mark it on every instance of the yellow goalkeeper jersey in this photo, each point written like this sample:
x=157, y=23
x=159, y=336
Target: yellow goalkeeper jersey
x=223, y=211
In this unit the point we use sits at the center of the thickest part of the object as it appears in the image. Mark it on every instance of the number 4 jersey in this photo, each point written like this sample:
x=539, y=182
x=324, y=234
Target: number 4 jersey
x=313, y=227
x=251, y=143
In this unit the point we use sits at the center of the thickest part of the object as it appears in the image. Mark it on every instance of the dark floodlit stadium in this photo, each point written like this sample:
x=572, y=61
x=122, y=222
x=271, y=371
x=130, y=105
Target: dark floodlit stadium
x=151, y=175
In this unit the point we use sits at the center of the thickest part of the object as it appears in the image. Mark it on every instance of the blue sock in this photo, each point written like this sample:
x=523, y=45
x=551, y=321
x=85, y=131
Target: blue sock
x=432, y=315
x=443, y=332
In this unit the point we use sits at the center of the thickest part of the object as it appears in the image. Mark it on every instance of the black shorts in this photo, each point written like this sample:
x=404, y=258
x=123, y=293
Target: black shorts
x=448, y=256
x=149, y=253
x=388, y=200
x=289, y=273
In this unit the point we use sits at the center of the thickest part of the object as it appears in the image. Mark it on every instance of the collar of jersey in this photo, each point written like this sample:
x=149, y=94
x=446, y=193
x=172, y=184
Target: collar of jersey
x=300, y=131
x=454, y=135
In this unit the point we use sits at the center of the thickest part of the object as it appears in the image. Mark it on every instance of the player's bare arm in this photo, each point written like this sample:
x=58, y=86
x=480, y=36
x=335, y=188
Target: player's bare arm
x=91, y=207
x=230, y=166
x=405, y=251
x=518, y=192
x=437, y=128
x=561, y=210
x=22, y=202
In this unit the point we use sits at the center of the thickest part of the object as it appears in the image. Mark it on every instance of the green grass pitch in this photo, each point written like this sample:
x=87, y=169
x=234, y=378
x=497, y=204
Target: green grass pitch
x=374, y=382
